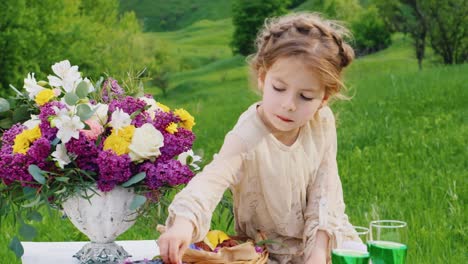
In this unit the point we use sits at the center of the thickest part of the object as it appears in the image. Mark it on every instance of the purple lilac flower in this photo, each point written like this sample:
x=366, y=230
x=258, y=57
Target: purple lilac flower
x=170, y=172
x=142, y=119
x=46, y=111
x=163, y=119
x=85, y=151
x=39, y=150
x=258, y=249
x=14, y=167
x=176, y=143
x=115, y=90
x=9, y=136
x=130, y=105
x=113, y=169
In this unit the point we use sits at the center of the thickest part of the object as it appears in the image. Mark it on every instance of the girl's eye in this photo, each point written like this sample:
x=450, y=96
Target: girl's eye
x=306, y=98
x=278, y=89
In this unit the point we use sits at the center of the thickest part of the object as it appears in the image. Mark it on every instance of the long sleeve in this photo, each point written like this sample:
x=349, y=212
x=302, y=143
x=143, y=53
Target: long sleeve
x=200, y=197
x=325, y=206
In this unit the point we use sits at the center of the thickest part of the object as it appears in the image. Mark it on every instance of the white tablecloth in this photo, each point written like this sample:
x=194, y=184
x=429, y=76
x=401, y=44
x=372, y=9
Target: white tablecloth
x=62, y=252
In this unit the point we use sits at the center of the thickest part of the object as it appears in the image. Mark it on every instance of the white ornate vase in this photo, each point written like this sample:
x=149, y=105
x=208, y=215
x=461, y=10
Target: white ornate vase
x=102, y=219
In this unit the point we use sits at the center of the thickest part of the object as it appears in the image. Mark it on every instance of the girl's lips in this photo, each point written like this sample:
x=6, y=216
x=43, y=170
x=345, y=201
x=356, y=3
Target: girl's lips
x=284, y=119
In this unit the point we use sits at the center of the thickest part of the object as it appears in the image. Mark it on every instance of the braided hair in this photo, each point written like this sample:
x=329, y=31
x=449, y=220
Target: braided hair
x=318, y=42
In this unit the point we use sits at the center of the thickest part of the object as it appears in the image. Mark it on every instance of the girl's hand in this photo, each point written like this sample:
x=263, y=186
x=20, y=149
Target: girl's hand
x=317, y=256
x=173, y=243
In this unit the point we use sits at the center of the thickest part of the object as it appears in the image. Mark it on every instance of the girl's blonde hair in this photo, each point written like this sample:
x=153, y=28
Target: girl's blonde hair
x=318, y=42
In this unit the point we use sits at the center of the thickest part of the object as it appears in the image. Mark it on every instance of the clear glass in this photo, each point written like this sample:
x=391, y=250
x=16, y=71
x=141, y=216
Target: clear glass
x=387, y=242
x=363, y=233
x=353, y=252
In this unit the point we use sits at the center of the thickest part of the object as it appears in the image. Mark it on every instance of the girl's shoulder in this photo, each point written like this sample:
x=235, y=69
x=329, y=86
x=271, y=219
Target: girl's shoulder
x=249, y=126
x=324, y=118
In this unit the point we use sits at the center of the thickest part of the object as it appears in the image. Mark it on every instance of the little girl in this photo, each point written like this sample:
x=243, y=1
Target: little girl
x=279, y=160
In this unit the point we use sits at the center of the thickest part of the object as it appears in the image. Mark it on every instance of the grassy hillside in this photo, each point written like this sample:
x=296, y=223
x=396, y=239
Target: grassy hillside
x=163, y=15
x=402, y=139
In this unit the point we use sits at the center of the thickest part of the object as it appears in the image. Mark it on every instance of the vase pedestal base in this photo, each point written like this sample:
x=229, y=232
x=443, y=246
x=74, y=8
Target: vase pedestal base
x=94, y=253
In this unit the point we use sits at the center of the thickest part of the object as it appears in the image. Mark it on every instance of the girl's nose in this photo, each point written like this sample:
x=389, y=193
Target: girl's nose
x=288, y=104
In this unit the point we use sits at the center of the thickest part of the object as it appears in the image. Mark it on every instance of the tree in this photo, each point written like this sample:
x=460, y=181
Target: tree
x=444, y=22
x=248, y=17
x=447, y=22
x=90, y=33
x=369, y=32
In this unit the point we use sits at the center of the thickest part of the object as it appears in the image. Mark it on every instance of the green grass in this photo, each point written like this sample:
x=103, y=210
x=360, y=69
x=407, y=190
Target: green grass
x=402, y=142
x=163, y=15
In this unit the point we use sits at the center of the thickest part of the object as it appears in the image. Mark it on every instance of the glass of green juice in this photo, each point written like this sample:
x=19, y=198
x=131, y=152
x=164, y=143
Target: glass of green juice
x=353, y=252
x=387, y=242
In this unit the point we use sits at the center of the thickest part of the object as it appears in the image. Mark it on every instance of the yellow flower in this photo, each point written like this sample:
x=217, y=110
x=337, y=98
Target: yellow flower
x=172, y=128
x=164, y=108
x=187, y=120
x=44, y=96
x=24, y=140
x=214, y=238
x=119, y=140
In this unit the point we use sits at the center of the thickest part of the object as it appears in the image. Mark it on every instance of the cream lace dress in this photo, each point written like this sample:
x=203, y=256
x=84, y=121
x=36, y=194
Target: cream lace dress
x=288, y=192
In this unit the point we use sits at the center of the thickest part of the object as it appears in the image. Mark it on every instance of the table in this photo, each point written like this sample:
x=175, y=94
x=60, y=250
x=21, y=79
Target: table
x=62, y=252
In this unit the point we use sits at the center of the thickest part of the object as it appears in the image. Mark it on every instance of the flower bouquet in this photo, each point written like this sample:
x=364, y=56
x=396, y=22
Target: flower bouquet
x=84, y=139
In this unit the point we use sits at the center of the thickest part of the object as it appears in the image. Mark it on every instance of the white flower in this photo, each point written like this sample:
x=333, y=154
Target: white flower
x=31, y=123
x=120, y=119
x=153, y=106
x=68, y=76
x=100, y=113
x=190, y=158
x=60, y=155
x=68, y=127
x=61, y=111
x=146, y=143
x=88, y=82
x=31, y=86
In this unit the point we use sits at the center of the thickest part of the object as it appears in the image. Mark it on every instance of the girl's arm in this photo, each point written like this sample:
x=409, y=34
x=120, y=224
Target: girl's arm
x=325, y=213
x=197, y=201
x=191, y=210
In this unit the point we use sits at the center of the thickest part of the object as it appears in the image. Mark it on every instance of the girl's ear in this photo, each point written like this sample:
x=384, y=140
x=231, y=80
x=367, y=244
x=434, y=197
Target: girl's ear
x=324, y=101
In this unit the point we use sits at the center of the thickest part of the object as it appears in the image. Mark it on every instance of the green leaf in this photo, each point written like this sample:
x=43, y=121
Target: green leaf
x=136, y=178
x=71, y=98
x=4, y=105
x=20, y=114
x=84, y=111
x=6, y=123
x=15, y=246
x=29, y=193
x=82, y=90
x=189, y=160
x=62, y=179
x=33, y=203
x=37, y=173
x=28, y=232
x=138, y=201
x=34, y=216
x=16, y=91
x=55, y=141
x=64, y=189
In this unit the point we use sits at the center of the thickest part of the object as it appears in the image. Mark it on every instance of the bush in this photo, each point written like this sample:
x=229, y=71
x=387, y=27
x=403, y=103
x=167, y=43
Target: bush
x=248, y=17
x=370, y=32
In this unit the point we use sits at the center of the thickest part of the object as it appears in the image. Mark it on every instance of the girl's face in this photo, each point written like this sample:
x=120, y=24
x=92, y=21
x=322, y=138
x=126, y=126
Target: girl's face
x=292, y=94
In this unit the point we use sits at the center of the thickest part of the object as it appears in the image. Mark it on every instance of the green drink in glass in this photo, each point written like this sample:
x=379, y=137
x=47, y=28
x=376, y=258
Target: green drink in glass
x=386, y=252
x=388, y=242
x=349, y=256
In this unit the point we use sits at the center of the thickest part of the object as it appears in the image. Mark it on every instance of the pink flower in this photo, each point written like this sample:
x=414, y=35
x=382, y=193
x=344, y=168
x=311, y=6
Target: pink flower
x=95, y=131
